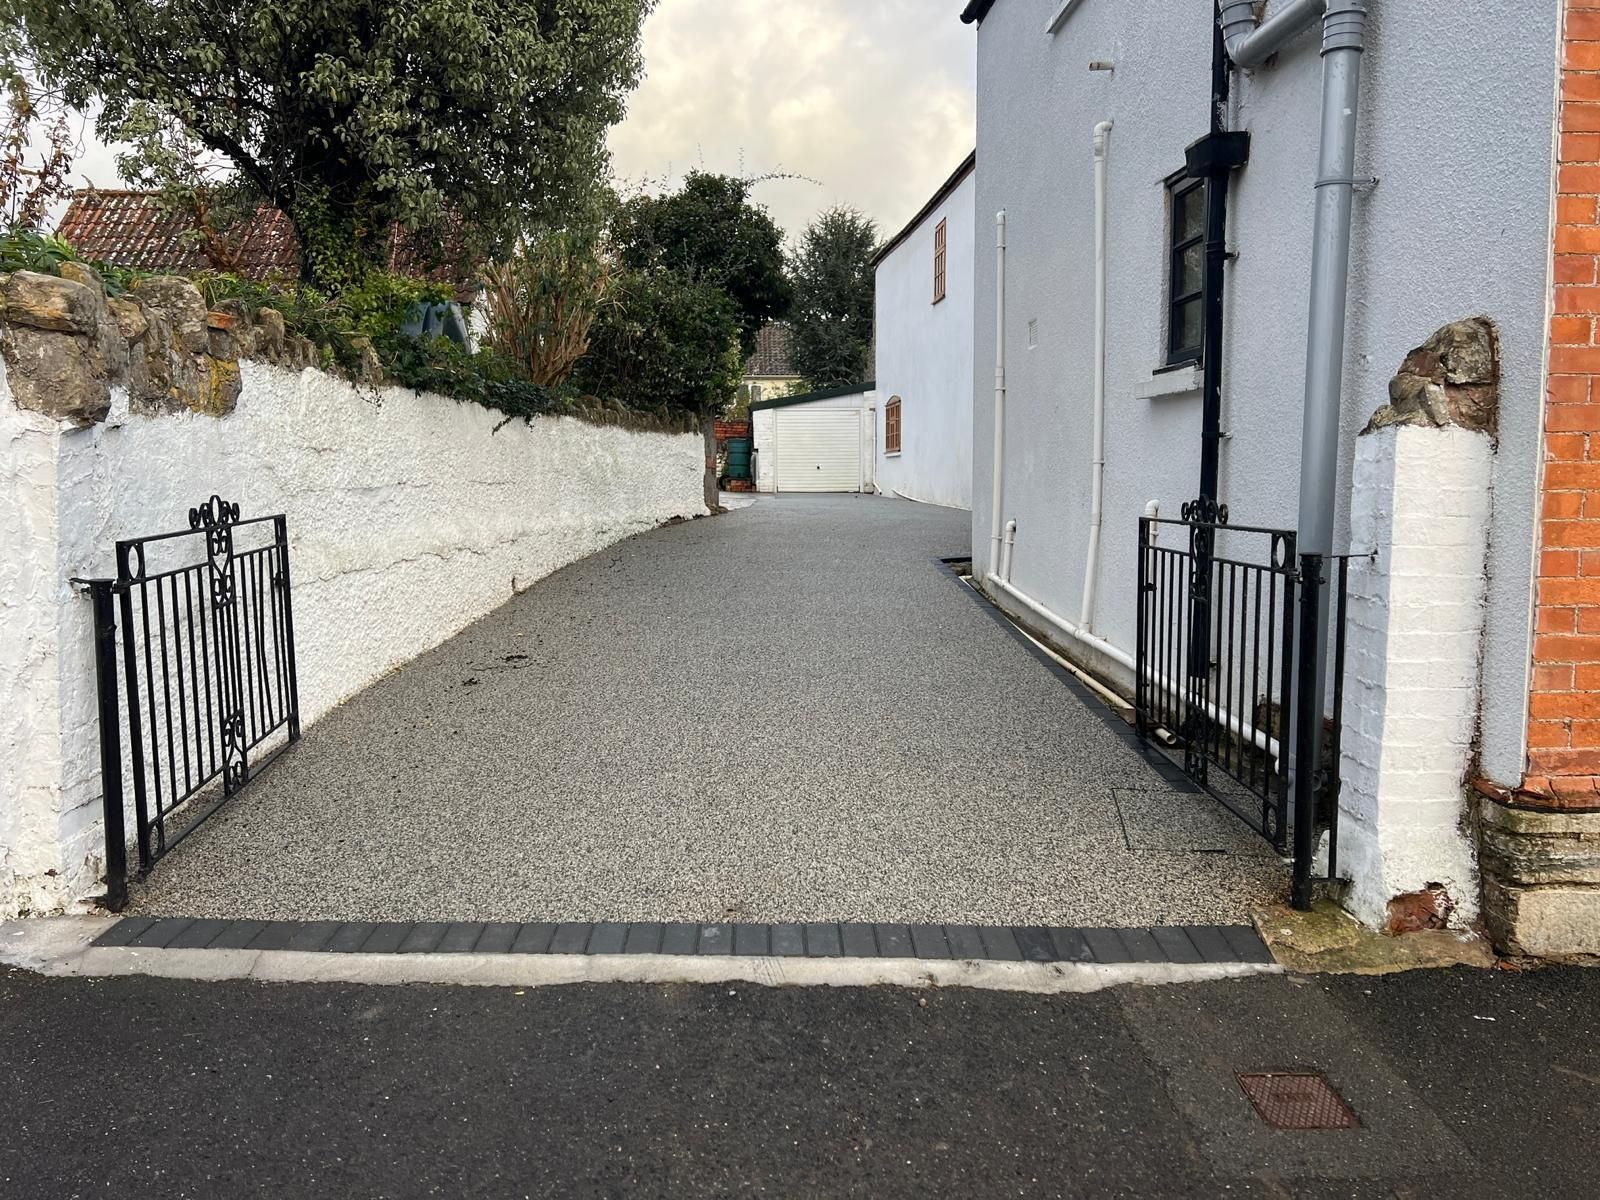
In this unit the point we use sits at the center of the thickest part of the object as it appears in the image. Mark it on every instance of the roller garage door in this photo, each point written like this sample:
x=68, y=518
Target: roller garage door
x=818, y=450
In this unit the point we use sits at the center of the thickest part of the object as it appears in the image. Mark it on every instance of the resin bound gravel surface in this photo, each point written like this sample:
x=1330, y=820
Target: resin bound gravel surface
x=791, y=712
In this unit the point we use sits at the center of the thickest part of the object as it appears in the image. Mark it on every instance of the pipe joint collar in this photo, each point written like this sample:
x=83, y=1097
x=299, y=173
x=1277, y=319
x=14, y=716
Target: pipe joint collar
x=1344, y=26
x=1238, y=18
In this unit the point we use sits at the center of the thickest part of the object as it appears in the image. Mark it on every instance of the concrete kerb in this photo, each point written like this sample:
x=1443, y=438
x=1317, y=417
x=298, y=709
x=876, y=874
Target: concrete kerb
x=61, y=946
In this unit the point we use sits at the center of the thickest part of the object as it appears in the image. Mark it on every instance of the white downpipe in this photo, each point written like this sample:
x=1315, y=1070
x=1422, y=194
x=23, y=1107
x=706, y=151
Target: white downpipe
x=1008, y=550
x=997, y=500
x=1245, y=729
x=1091, y=567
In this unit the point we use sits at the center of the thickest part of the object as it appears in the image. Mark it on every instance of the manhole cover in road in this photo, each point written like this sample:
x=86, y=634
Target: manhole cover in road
x=1302, y=1101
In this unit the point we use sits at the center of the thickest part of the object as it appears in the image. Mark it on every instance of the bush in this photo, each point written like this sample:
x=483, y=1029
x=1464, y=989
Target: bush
x=542, y=301
x=24, y=250
x=665, y=342
x=374, y=312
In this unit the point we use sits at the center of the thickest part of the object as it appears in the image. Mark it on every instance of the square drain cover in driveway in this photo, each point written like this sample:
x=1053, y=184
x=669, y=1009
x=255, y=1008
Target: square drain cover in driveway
x=1302, y=1101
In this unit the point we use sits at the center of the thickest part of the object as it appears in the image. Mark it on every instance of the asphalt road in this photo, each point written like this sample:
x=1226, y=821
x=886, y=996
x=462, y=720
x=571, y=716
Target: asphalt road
x=1466, y=1084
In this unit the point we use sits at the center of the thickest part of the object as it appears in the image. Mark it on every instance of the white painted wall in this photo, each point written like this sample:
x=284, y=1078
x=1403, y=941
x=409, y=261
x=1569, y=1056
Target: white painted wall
x=35, y=838
x=1456, y=121
x=925, y=358
x=1415, y=629
x=409, y=517
x=763, y=435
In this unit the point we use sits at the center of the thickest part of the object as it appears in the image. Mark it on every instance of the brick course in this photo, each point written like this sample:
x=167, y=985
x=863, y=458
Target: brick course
x=1564, y=708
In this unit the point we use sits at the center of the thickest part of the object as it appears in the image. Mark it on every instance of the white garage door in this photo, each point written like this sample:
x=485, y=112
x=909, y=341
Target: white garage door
x=818, y=450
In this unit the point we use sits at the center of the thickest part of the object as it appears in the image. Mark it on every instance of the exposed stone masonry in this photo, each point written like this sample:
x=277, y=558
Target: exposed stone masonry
x=67, y=344
x=1451, y=379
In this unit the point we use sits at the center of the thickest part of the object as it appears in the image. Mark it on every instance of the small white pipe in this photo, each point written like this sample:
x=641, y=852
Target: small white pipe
x=1114, y=653
x=1245, y=729
x=1152, y=509
x=1091, y=567
x=1008, y=550
x=997, y=499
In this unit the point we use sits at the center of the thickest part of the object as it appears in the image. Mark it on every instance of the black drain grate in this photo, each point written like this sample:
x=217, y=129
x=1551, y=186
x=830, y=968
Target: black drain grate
x=1297, y=1101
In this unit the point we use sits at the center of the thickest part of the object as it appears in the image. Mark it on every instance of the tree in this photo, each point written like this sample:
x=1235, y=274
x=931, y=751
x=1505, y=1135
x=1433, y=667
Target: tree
x=664, y=340
x=352, y=116
x=832, y=316
x=36, y=146
x=198, y=185
x=710, y=232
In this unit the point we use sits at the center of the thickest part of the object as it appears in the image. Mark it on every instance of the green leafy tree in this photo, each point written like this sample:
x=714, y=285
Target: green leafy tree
x=483, y=116
x=832, y=316
x=711, y=233
x=664, y=340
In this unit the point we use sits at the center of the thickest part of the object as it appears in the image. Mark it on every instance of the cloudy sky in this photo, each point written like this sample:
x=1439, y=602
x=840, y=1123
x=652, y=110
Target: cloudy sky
x=871, y=101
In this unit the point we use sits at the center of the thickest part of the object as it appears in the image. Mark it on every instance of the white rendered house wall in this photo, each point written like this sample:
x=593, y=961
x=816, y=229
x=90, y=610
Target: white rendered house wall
x=1457, y=224
x=924, y=356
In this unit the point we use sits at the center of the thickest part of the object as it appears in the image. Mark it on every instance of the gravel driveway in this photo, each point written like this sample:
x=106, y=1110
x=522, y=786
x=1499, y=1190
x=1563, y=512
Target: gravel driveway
x=787, y=712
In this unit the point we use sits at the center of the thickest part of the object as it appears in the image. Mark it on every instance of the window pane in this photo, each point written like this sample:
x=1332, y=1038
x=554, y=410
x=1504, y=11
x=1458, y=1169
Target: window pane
x=1190, y=220
x=1188, y=325
x=1191, y=271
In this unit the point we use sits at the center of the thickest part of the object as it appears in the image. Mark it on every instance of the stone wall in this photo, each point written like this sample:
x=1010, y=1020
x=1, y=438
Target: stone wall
x=1541, y=878
x=409, y=516
x=67, y=346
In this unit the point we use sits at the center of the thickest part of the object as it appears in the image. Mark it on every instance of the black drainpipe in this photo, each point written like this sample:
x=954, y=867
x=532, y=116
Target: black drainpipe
x=1214, y=158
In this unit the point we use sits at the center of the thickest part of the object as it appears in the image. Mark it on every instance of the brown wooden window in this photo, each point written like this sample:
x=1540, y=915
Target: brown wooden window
x=891, y=426
x=939, y=242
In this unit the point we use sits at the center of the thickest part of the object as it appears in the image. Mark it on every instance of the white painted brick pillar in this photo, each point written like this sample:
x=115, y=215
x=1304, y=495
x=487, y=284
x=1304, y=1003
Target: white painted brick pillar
x=1420, y=502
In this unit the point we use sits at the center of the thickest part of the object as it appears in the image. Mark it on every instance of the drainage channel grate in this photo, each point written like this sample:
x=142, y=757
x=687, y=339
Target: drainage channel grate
x=1297, y=1101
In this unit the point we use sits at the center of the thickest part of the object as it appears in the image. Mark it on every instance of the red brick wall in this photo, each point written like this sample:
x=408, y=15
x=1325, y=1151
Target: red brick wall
x=1564, y=705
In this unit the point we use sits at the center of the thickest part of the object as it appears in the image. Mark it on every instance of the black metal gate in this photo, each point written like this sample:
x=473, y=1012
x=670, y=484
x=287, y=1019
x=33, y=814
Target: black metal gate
x=194, y=661
x=1229, y=622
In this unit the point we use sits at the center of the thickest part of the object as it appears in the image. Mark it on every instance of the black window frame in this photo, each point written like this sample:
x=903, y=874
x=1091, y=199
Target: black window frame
x=1182, y=188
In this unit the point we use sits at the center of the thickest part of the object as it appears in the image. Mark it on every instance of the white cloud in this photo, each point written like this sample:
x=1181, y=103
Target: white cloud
x=872, y=99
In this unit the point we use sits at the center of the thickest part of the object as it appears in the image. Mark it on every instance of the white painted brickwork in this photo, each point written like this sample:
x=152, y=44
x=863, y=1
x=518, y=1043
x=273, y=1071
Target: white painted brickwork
x=1421, y=500
x=409, y=517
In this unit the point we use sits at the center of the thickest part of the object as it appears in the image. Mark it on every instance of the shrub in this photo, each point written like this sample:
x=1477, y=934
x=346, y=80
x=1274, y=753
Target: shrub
x=542, y=301
x=665, y=342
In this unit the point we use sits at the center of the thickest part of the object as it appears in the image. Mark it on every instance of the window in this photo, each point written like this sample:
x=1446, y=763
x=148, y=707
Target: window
x=891, y=426
x=939, y=243
x=1186, y=312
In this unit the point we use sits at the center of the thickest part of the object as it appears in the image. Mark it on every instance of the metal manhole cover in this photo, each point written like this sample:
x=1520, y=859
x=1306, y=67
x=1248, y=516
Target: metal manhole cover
x=1299, y=1101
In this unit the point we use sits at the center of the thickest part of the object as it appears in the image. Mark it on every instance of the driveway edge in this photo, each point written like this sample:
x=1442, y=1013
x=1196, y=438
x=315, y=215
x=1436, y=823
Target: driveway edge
x=73, y=946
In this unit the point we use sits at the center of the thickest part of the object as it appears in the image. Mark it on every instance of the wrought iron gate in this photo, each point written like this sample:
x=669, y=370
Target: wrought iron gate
x=1229, y=621
x=196, y=633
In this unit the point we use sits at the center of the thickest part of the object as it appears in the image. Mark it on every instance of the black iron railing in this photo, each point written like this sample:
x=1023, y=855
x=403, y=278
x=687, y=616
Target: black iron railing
x=197, y=634
x=1227, y=615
